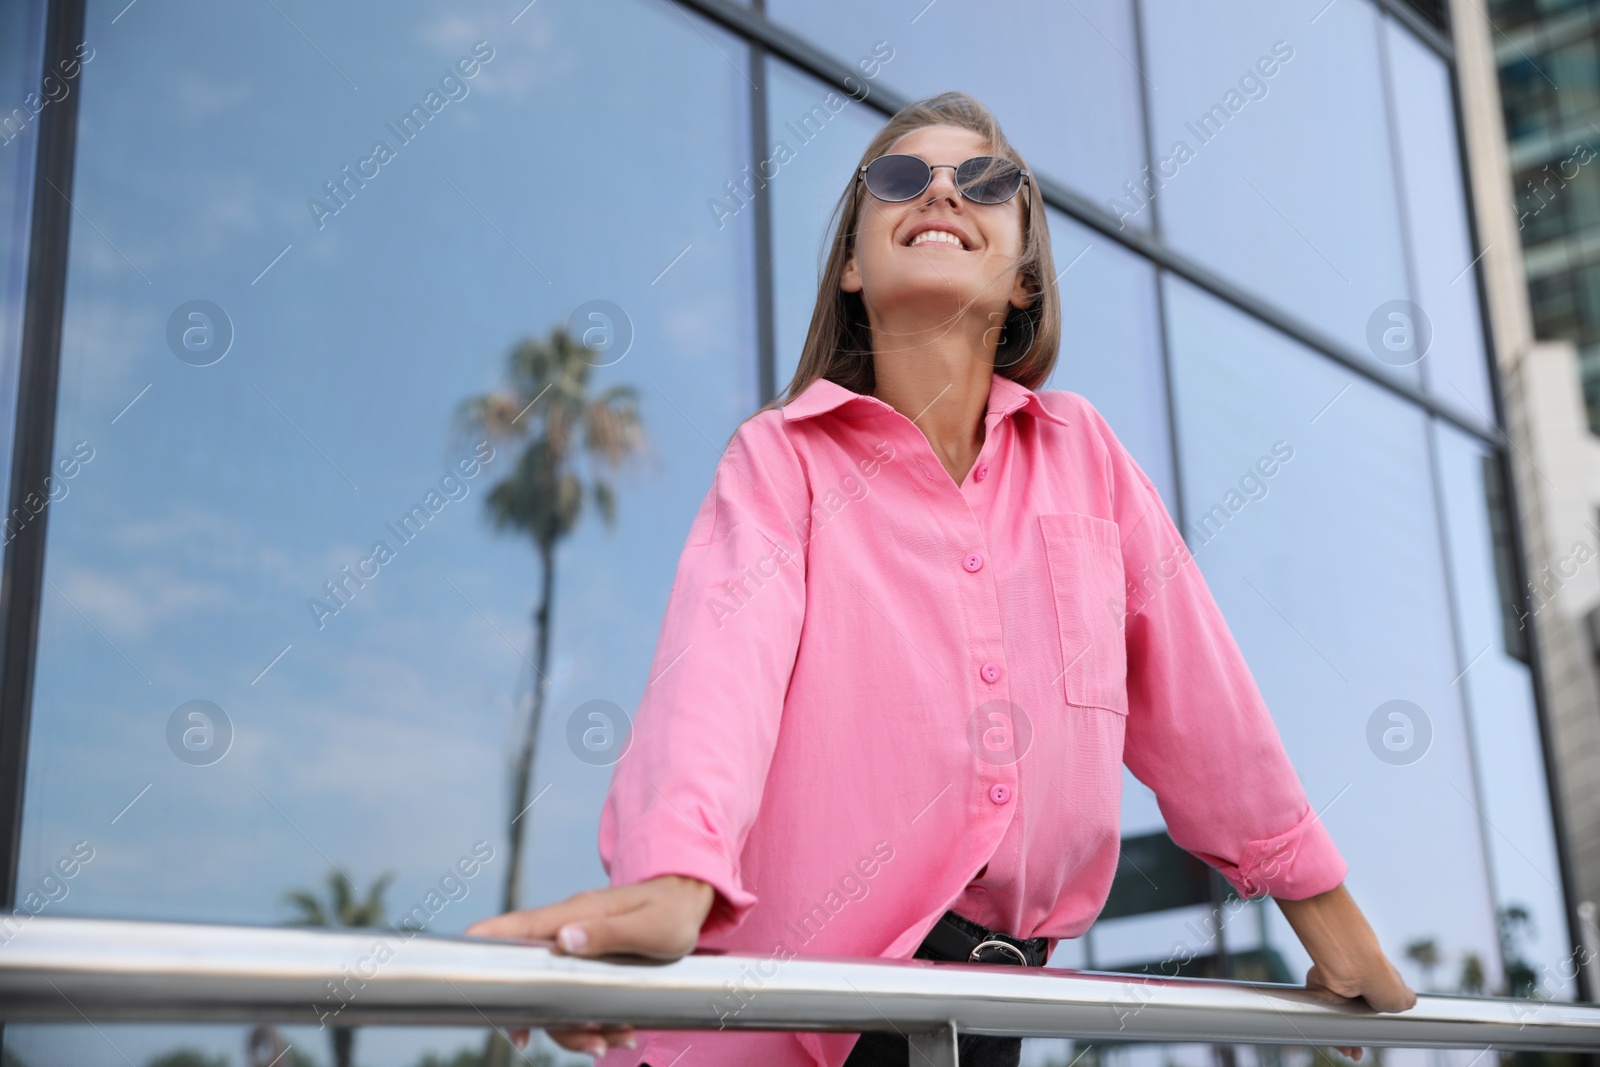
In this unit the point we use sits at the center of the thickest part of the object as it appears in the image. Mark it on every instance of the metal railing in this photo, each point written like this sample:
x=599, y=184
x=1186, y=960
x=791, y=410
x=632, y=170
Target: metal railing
x=71, y=970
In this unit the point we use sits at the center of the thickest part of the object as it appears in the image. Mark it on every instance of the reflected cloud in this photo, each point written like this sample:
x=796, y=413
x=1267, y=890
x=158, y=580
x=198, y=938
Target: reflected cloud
x=133, y=602
x=533, y=58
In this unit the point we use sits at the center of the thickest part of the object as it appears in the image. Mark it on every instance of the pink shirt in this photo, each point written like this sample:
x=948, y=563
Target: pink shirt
x=871, y=682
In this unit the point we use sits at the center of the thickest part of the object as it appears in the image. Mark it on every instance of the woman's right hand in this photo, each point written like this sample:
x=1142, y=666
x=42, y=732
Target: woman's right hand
x=659, y=918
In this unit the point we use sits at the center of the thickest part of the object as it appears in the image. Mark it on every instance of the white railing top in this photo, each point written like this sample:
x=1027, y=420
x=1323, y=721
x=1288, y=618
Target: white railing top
x=67, y=969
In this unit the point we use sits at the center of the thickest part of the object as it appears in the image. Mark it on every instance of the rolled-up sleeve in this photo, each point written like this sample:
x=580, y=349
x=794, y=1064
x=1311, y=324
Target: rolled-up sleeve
x=1199, y=733
x=686, y=791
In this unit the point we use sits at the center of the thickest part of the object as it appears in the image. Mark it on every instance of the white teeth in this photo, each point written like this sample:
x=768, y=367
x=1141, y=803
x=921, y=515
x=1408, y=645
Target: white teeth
x=941, y=236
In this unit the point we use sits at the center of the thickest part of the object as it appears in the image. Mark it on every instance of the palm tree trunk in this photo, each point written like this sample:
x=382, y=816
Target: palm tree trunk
x=497, y=1051
x=522, y=782
x=344, y=1042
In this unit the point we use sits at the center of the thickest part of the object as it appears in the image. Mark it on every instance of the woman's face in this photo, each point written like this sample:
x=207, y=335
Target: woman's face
x=896, y=272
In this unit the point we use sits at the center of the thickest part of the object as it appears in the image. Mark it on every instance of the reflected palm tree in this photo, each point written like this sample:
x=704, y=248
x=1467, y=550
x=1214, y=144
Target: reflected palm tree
x=1472, y=980
x=341, y=909
x=570, y=439
x=1516, y=924
x=1424, y=952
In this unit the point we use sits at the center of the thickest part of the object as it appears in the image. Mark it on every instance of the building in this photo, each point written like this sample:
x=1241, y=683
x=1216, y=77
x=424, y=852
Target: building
x=1547, y=71
x=1548, y=56
x=259, y=260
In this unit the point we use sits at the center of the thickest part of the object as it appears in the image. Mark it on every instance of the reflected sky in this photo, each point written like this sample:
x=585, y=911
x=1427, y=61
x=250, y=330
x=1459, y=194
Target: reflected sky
x=1289, y=188
x=805, y=191
x=1332, y=576
x=1455, y=368
x=221, y=498
x=1513, y=797
x=1066, y=81
x=1111, y=343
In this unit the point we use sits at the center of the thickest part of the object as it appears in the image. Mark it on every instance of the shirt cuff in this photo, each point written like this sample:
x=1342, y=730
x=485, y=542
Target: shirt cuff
x=691, y=859
x=1298, y=863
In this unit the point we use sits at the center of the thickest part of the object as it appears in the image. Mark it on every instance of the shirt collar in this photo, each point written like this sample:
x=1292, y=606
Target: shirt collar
x=1005, y=397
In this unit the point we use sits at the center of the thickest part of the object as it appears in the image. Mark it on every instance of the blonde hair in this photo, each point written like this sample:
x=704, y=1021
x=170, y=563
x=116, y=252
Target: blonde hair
x=839, y=343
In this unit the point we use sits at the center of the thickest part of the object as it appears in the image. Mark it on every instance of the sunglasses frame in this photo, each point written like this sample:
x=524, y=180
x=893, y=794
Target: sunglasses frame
x=1025, y=178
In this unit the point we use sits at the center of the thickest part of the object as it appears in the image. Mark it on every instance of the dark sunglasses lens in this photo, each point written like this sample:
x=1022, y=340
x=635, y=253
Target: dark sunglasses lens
x=988, y=180
x=896, y=178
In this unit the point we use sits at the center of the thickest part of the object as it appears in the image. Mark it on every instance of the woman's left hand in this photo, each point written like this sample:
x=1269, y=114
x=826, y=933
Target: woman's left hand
x=1347, y=960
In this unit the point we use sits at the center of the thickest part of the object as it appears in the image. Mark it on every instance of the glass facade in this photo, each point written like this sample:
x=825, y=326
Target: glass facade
x=290, y=607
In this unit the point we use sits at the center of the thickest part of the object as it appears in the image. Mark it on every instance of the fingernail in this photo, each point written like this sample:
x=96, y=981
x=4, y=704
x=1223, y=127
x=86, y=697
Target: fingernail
x=573, y=939
x=630, y=1042
x=595, y=1046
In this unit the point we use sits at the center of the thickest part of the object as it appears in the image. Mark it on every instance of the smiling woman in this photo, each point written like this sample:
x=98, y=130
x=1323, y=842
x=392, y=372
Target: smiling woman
x=976, y=584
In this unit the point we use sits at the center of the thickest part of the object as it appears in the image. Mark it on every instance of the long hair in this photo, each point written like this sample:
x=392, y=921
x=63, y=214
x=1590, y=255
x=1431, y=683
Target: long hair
x=839, y=343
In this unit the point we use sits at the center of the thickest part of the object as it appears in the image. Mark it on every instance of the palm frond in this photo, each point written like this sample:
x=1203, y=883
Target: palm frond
x=309, y=907
x=605, y=501
x=370, y=911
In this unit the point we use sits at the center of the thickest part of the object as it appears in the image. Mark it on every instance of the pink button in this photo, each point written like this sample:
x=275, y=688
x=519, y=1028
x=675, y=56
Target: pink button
x=999, y=792
x=972, y=561
x=981, y=473
x=990, y=672
x=976, y=890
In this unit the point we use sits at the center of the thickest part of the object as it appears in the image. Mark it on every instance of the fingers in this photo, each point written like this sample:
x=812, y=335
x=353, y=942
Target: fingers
x=1317, y=978
x=1386, y=992
x=541, y=924
x=594, y=1040
x=651, y=920
x=1389, y=991
x=530, y=924
x=588, y=1041
x=647, y=929
x=659, y=918
x=1390, y=1000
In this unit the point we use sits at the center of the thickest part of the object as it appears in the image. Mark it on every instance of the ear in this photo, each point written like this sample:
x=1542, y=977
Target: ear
x=1022, y=294
x=850, y=280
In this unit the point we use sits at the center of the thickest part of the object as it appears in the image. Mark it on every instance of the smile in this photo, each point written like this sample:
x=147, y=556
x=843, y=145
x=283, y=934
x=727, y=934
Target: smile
x=937, y=237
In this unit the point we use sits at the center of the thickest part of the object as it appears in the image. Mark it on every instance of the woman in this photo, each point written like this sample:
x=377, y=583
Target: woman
x=921, y=618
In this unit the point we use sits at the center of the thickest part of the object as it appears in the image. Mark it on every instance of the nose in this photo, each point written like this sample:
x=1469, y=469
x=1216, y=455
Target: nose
x=943, y=183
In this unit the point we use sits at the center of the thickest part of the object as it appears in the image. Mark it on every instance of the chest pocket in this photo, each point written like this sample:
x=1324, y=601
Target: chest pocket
x=1086, y=581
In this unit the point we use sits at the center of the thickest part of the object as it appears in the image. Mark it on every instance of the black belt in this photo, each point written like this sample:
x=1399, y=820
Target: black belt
x=958, y=939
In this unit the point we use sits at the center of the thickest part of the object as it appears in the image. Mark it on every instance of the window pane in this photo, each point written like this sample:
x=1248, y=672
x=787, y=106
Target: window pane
x=1111, y=342
x=1074, y=112
x=1455, y=366
x=1511, y=778
x=1277, y=167
x=1330, y=574
x=826, y=145
x=214, y=546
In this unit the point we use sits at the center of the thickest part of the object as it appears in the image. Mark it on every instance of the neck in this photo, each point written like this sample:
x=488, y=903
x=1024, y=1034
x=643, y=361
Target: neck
x=938, y=377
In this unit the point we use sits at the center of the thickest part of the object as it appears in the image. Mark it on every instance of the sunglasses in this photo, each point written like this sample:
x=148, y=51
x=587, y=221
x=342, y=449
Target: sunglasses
x=981, y=179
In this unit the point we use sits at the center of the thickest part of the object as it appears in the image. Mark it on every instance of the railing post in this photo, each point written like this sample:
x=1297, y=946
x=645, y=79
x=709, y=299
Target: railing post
x=1589, y=938
x=938, y=1049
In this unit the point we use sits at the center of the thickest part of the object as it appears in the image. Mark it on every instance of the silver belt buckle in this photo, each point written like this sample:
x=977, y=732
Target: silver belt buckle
x=1013, y=949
